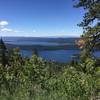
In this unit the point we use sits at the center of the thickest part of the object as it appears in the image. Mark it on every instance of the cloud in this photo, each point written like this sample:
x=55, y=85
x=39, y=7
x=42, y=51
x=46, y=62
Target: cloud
x=3, y=23
x=7, y=30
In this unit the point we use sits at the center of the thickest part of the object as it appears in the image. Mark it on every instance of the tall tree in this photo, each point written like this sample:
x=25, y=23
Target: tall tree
x=3, y=53
x=91, y=25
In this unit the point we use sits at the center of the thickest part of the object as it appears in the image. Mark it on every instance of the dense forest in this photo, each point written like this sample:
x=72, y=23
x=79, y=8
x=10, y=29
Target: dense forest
x=23, y=78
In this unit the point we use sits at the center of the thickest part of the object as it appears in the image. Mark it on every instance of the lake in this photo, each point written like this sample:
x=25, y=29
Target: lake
x=53, y=55
x=59, y=55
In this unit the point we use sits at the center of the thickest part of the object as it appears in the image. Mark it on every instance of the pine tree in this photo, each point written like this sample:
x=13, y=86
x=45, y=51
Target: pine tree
x=91, y=25
x=3, y=53
x=91, y=36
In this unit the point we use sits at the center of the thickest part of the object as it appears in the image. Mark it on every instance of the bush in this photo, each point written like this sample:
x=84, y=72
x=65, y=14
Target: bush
x=36, y=79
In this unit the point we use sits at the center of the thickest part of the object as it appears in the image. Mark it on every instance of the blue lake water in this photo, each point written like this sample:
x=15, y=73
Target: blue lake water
x=49, y=55
x=56, y=55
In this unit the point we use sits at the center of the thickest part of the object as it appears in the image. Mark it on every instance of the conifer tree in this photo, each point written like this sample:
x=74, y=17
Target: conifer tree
x=3, y=53
x=91, y=25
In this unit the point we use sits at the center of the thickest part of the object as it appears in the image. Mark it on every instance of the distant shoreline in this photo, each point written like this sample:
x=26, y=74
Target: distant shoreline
x=41, y=47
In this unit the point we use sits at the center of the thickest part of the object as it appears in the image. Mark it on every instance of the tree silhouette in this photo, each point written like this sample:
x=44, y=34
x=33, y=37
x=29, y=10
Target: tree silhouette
x=3, y=53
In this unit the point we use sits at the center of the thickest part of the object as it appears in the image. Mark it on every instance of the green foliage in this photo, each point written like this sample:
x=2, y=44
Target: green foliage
x=72, y=85
x=91, y=37
x=92, y=8
x=36, y=79
x=91, y=26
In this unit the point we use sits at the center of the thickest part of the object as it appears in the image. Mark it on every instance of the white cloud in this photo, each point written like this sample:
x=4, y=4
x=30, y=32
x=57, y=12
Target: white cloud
x=3, y=23
x=6, y=30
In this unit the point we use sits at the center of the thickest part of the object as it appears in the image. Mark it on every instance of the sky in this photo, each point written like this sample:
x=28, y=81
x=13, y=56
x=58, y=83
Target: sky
x=39, y=18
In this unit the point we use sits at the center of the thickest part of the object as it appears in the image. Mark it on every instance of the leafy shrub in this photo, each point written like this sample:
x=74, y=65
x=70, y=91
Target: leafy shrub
x=35, y=79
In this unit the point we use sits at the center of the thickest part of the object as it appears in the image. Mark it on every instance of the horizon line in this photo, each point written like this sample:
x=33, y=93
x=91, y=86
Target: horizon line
x=44, y=36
